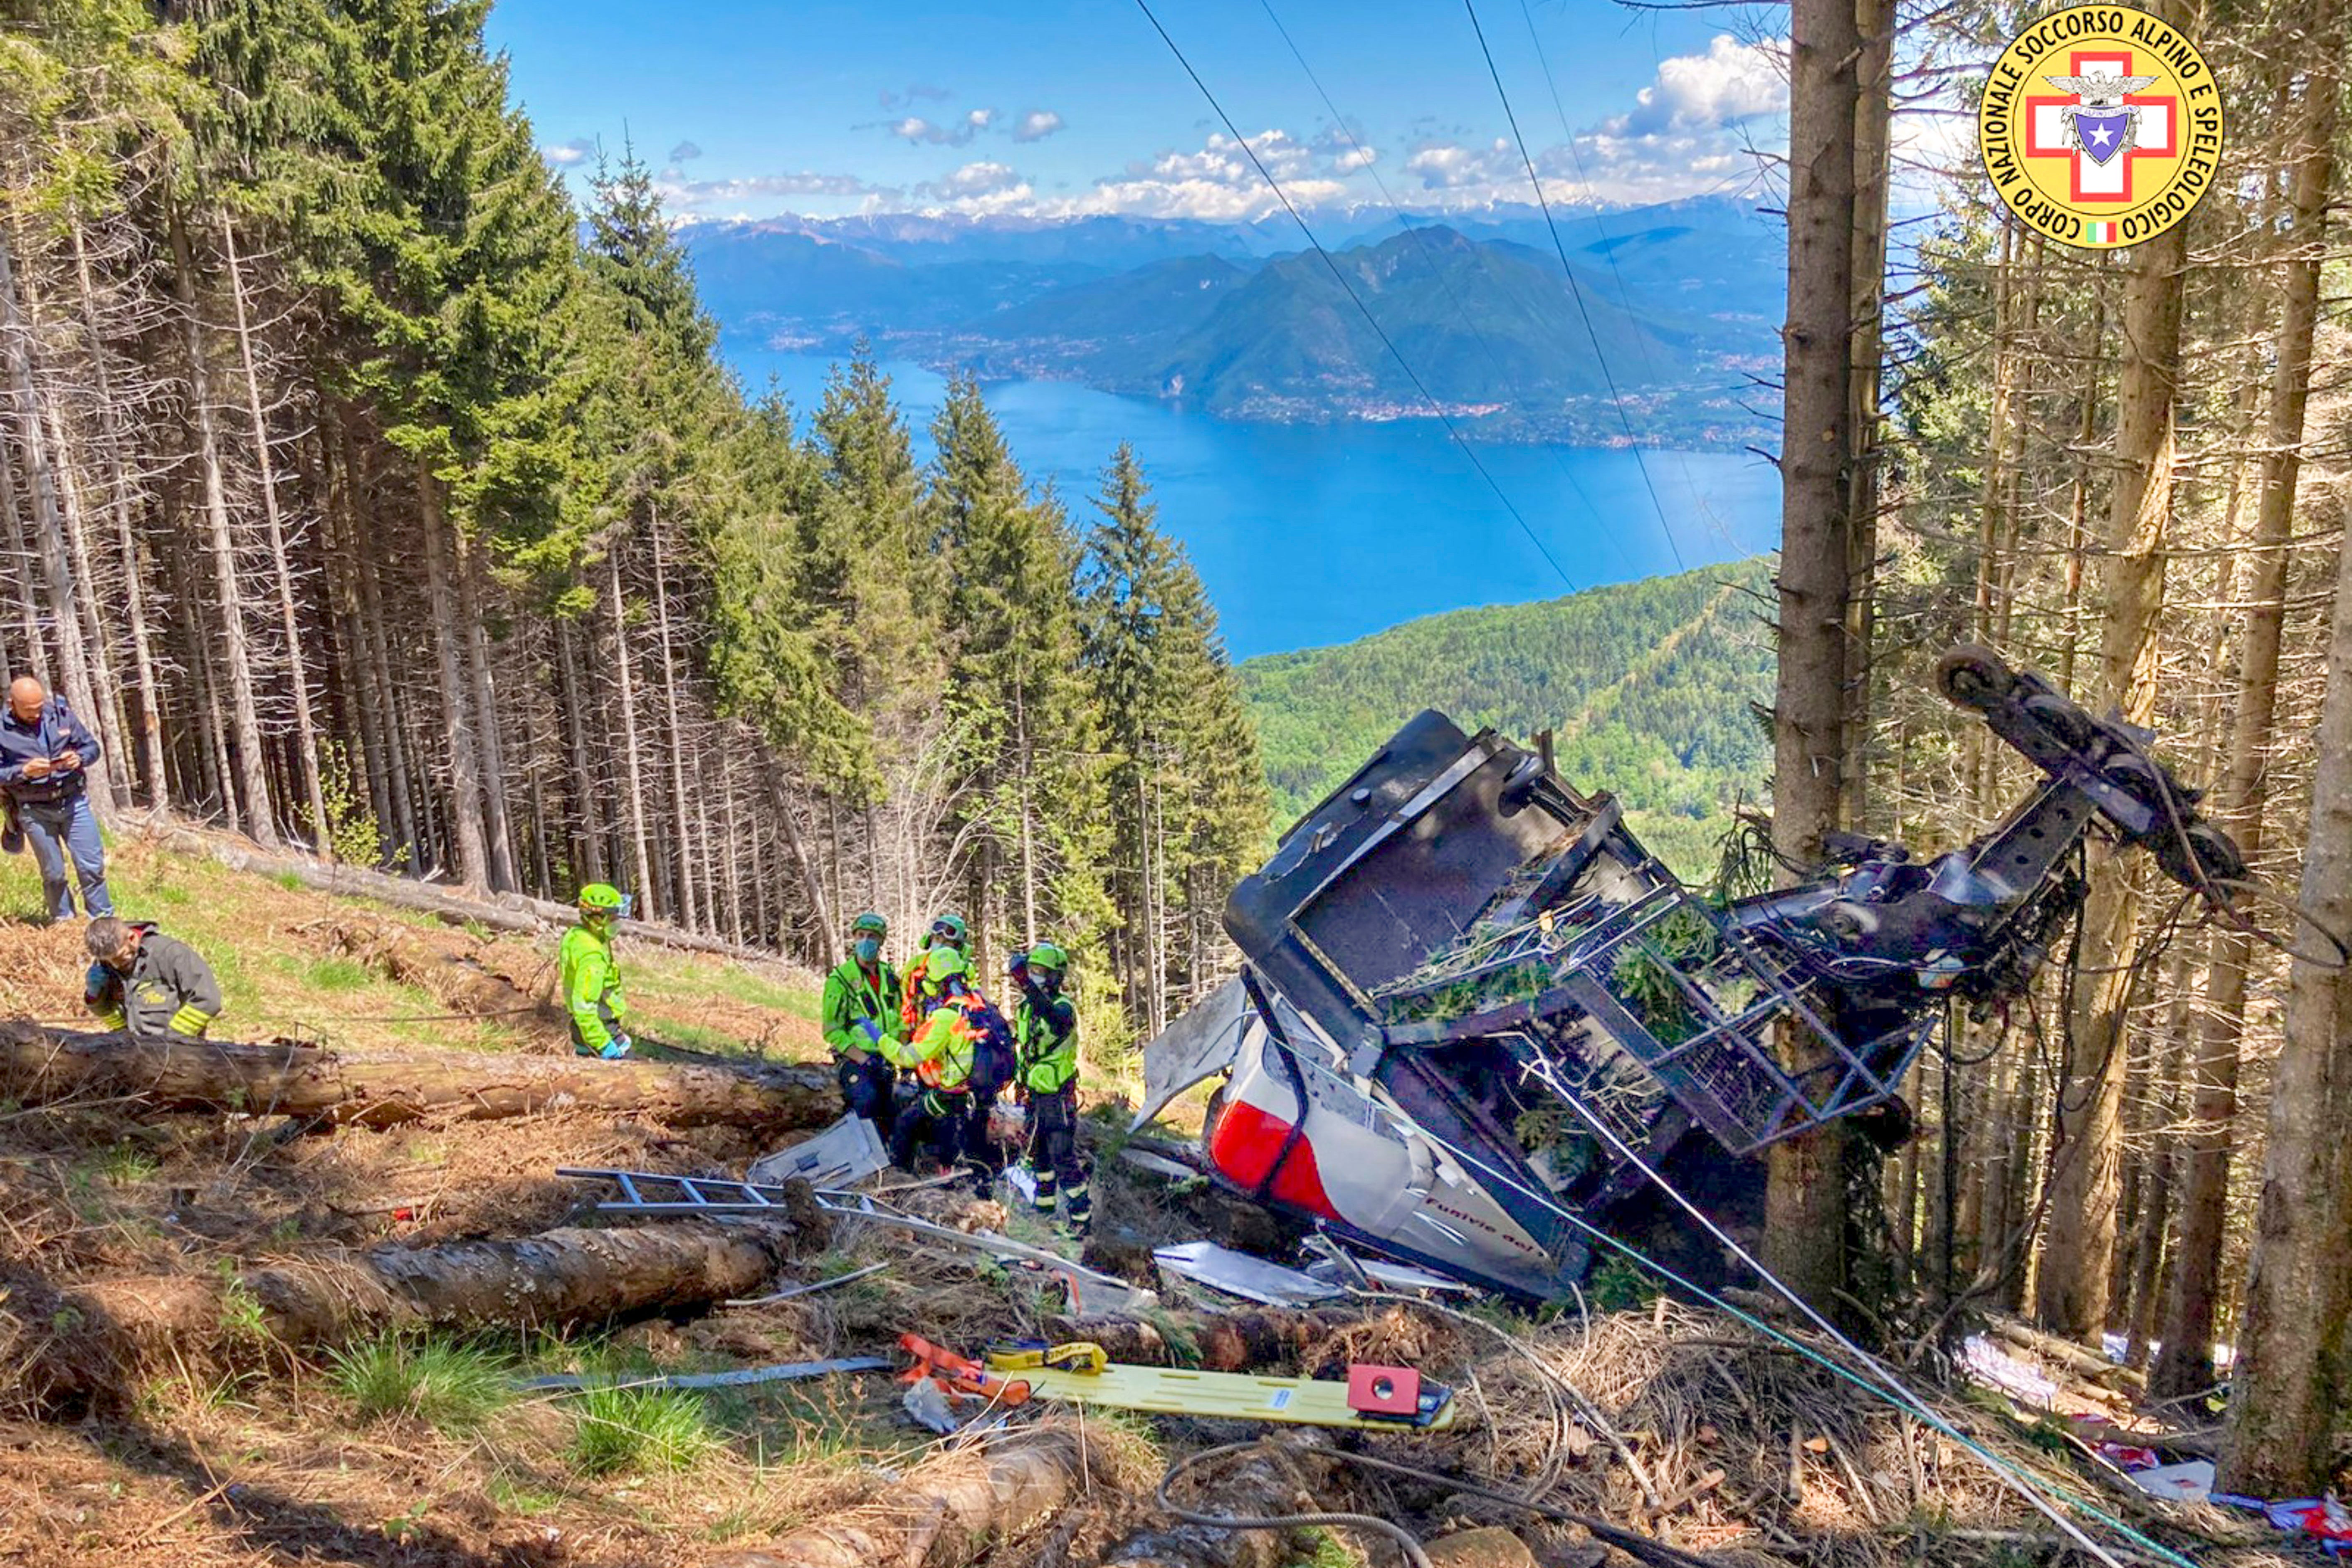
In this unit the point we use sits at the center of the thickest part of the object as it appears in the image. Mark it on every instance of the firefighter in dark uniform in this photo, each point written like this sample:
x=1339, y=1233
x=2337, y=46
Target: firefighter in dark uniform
x=146, y=982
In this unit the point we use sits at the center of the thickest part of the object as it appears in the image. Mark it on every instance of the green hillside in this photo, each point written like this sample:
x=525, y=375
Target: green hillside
x=1649, y=689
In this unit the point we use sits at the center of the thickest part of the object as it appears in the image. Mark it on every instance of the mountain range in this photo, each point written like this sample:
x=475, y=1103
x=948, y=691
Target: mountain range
x=1683, y=301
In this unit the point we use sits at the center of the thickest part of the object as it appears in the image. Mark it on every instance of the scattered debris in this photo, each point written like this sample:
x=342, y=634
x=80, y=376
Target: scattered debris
x=849, y=1151
x=793, y=1291
x=1239, y=1274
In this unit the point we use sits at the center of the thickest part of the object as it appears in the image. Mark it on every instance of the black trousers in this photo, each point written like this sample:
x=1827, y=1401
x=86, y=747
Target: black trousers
x=1054, y=1153
x=930, y=1121
x=869, y=1090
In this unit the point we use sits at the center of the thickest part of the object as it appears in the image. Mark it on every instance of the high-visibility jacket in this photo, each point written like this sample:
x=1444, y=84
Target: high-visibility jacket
x=1045, y=1038
x=169, y=990
x=592, y=996
x=918, y=997
x=950, y=1041
x=853, y=994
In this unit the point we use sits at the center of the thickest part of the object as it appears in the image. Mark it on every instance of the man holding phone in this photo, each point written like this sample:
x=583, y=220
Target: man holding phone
x=44, y=758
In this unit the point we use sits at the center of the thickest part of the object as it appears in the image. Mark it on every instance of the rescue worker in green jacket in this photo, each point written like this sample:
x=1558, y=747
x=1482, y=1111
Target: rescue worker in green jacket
x=942, y=1053
x=862, y=1024
x=146, y=982
x=590, y=976
x=1045, y=1043
x=920, y=992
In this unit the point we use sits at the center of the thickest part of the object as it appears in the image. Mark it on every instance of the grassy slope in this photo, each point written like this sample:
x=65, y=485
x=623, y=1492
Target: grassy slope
x=1648, y=687
x=283, y=973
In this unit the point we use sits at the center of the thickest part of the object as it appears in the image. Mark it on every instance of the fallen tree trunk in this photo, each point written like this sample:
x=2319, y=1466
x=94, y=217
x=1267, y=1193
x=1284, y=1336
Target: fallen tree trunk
x=459, y=981
x=378, y=1089
x=1251, y=1338
x=2085, y=1363
x=946, y=1512
x=83, y=1340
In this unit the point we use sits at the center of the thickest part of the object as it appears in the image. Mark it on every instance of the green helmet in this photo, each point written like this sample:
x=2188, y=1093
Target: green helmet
x=604, y=898
x=948, y=930
x=945, y=963
x=869, y=922
x=1046, y=955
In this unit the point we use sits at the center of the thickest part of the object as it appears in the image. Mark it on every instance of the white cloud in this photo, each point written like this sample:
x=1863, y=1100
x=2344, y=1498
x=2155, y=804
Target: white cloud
x=564, y=154
x=1036, y=125
x=915, y=129
x=685, y=153
x=687, y=197
x=1732, y=82
x=974, y=182
x=1448, y=165
x=1355, y=158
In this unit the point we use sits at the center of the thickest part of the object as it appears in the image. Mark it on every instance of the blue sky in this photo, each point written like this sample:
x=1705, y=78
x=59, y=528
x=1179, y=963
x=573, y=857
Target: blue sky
x=1051, y=108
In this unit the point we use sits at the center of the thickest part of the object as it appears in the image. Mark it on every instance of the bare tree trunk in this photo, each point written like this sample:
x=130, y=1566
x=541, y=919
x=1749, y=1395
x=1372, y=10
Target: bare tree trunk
x=498, y=830
x=457, y=727
x=2070, y=1292
x=639, y=849
x=1805, y=1226
x=260, y=818
x=290, y=622
x=2185, y=1364
x=588, y=843
x=2290, y=1377
x=47, y=521
x=689, y=910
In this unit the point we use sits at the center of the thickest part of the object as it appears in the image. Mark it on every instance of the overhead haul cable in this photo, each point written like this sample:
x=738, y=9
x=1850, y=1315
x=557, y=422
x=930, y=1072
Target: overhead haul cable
x=1356, y=300
x=1575, y=290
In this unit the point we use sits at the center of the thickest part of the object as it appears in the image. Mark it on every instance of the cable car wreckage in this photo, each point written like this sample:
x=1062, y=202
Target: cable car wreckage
x=1495, y=1009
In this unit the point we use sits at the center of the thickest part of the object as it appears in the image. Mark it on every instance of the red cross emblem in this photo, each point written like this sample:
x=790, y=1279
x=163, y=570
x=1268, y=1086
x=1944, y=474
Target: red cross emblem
x=2051, y=130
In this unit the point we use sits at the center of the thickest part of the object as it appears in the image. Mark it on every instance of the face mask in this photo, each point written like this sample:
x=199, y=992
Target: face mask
x=1049, y=982
x=868, y=949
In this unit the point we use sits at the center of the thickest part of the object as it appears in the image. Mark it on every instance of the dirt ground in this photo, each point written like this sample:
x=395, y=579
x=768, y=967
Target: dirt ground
x=407, y=1451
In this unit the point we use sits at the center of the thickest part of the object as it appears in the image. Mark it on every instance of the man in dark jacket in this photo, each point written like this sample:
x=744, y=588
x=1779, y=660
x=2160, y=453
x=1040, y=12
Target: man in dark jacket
x=147, y=982
x=44, y=758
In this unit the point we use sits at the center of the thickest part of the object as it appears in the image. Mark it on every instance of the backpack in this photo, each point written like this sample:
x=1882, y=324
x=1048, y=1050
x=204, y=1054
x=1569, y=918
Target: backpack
x=993, y=1059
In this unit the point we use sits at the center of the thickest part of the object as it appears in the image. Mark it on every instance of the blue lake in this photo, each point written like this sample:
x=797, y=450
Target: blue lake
x=1310, y=534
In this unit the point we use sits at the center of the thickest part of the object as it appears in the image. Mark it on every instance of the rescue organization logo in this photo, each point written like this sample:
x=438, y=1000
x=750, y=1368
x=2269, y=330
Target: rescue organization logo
x=2100, y=126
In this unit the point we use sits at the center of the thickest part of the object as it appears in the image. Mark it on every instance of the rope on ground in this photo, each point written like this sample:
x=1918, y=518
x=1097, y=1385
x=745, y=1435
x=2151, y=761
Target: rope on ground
x=1403, y=1537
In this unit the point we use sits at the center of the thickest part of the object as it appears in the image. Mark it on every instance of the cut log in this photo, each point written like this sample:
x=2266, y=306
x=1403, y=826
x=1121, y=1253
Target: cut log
x=946, y=1512
x=77, y=1341
x=378, y=1089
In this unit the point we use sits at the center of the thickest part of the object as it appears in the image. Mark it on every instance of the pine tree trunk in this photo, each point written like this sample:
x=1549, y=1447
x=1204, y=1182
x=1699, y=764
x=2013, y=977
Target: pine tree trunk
x=1805, y=1204
x=384, y=692
x=2071, y=1290
x=584, y=786
x=2291, y=1382
x=641, y=858
x=691, y=912
x=457, y=728
x=2185, y=1364
x=290, y=622
x=48, y=523
x=498, y=830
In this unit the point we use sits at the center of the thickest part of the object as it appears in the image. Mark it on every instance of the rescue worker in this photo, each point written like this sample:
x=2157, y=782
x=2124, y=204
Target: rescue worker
x=860, y=1025
x=591, y=976
x=936, y=1115
x=1045, y=1040
x=46, y=754
x=920, y=995
x=146, y=982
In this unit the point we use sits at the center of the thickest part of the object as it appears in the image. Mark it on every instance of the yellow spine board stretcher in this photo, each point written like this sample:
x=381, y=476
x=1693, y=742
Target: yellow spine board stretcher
x=1374, y=1399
